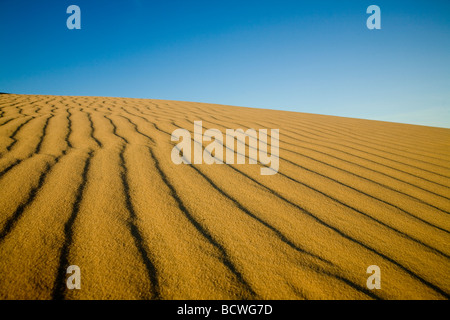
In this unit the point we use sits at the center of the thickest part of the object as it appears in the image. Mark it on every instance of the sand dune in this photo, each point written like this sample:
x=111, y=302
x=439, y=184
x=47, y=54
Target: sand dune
x=89, y=181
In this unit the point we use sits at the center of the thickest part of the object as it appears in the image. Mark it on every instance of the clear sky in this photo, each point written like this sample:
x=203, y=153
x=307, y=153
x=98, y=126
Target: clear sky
x=307, y=56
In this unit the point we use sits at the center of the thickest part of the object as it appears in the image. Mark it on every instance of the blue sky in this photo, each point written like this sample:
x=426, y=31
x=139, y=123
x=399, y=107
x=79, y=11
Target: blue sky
x=307, y=56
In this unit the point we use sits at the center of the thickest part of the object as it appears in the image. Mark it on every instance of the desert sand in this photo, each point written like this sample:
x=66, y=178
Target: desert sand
x=89, y=181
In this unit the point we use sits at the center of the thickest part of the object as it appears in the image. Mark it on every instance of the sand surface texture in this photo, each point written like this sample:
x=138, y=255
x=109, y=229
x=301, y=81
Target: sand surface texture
x=89, y=181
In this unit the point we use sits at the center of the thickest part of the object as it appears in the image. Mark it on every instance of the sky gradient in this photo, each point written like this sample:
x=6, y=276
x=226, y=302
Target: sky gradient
x=305, y=56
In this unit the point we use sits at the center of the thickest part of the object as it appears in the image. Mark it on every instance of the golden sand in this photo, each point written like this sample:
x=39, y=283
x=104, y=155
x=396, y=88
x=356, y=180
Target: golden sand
x=89, y=181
